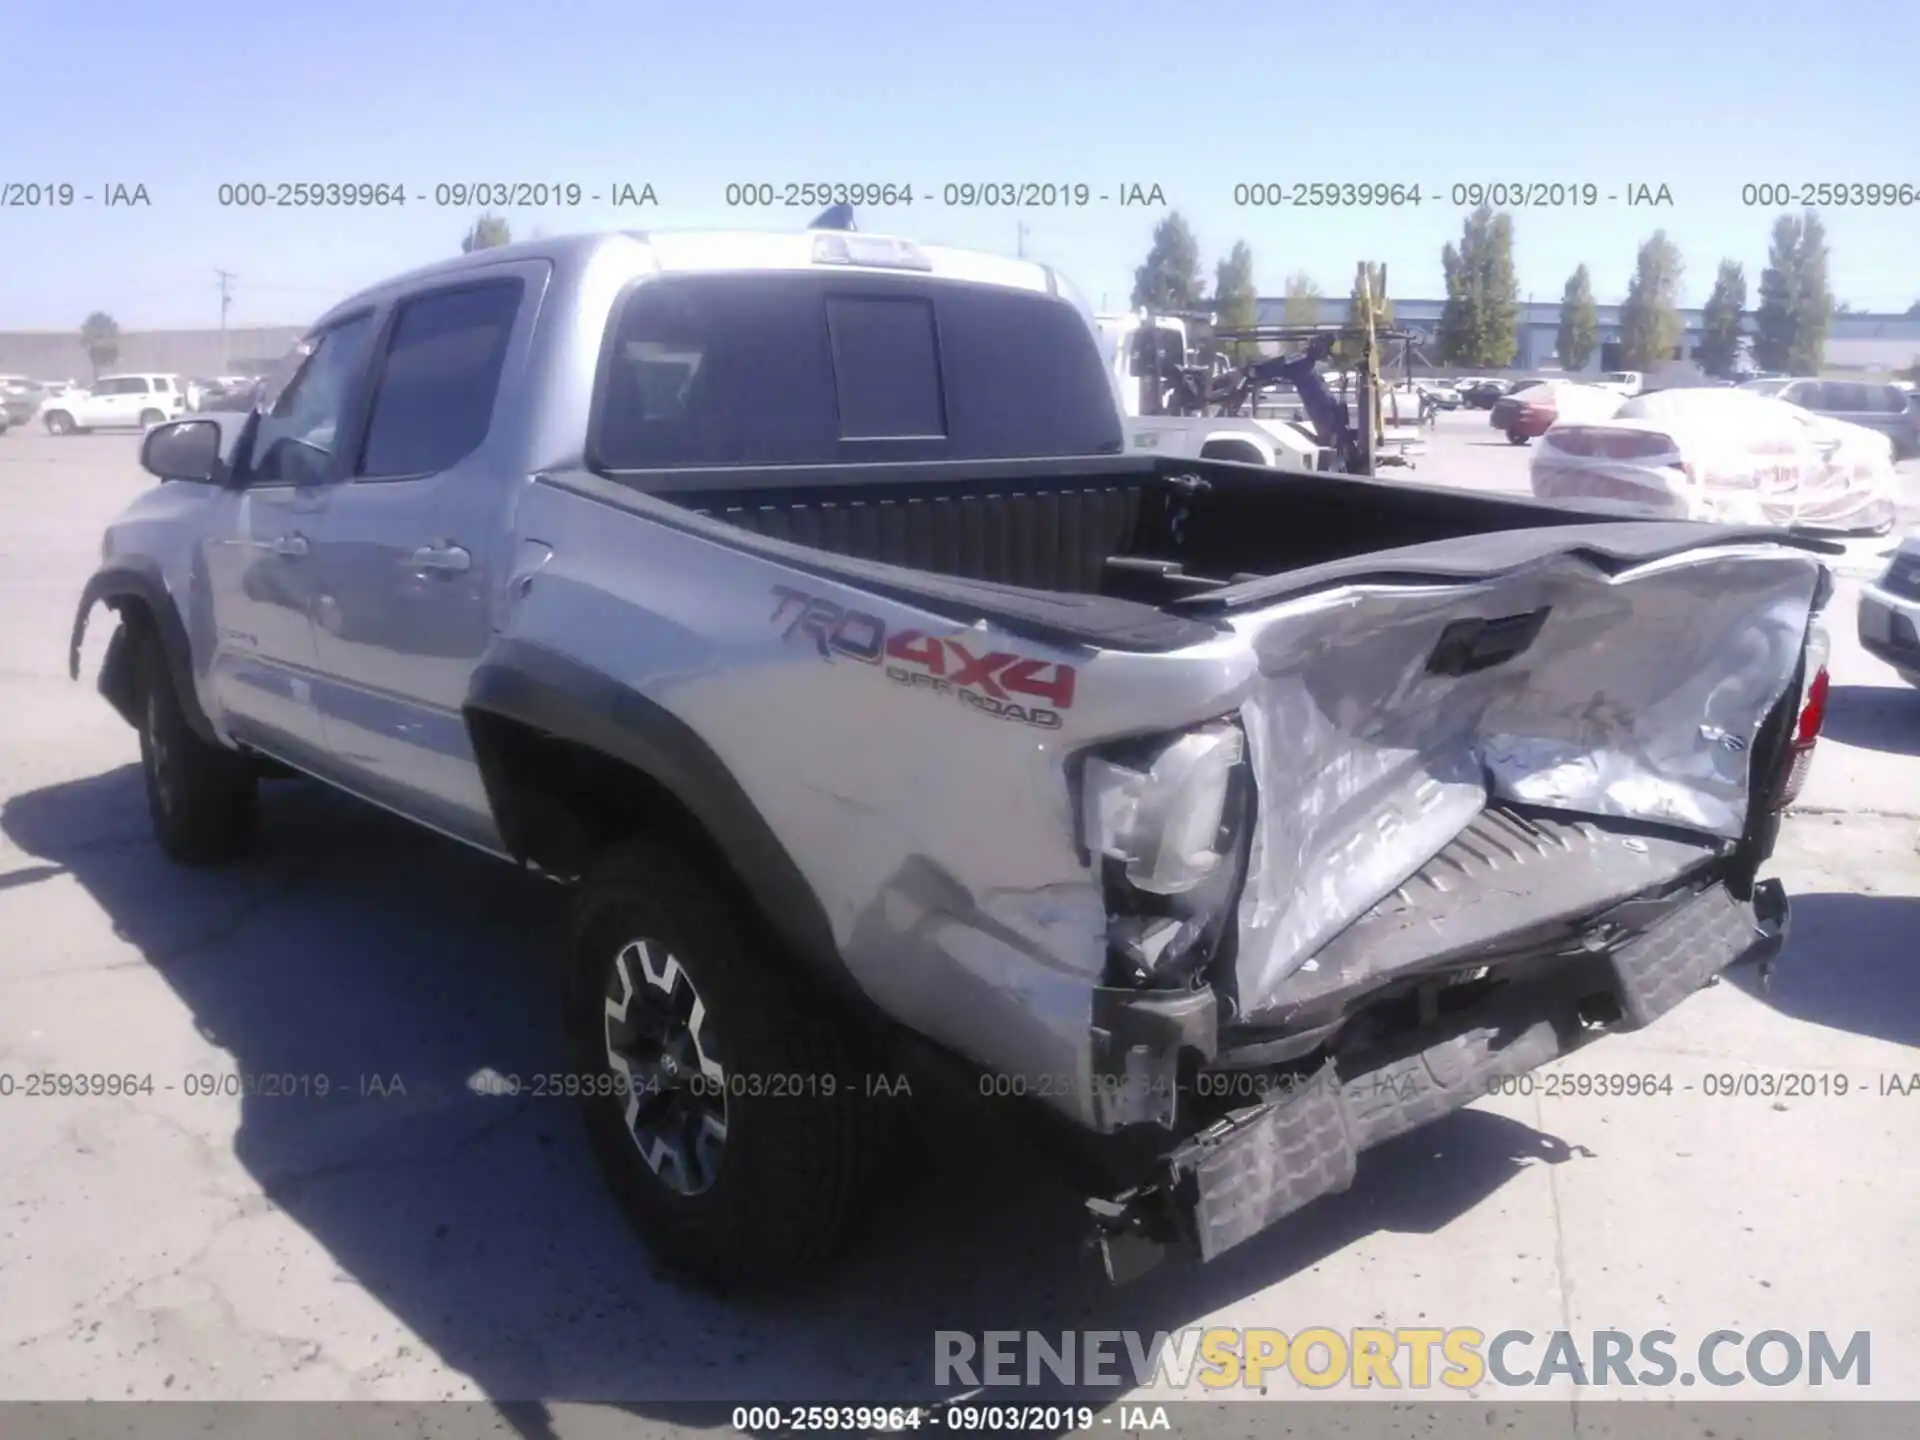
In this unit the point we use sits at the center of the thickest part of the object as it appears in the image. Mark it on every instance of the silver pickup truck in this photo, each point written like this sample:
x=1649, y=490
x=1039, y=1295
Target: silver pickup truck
x=792, y=599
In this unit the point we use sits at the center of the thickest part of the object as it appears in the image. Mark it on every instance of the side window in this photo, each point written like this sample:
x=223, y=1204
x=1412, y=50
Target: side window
x=294, y=437
x=437, y=384
x=1803, y=392
x=160, y=385
x=134, y=385
x=1844, y=397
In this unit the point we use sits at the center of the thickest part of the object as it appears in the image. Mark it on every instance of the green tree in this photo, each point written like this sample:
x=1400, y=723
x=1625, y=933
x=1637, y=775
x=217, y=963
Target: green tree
x=1369, y=297
x=1720, y=321
x=1479, y=322
x=1816, y=312
x=1169, y=280
x=1579, y=332
x=1773, y=319
x=1499, y=335
x=487, y=232
x=1796, y=298
x=1650, y=325
x=100, y=337
x=1303, y=300
x=1236, y=303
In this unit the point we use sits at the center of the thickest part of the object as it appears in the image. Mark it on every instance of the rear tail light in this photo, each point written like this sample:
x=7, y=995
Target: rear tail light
x=1806, y=729
x=1600, y=442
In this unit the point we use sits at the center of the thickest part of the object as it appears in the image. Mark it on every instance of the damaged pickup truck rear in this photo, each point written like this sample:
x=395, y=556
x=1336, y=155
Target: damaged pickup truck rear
x=791, y=598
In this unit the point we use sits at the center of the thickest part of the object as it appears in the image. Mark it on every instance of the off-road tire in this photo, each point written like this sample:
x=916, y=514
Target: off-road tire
x=793, y=1181
x=202, y=799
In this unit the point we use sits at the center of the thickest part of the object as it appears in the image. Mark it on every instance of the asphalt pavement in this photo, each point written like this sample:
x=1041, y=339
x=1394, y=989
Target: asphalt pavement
x=405, y=1238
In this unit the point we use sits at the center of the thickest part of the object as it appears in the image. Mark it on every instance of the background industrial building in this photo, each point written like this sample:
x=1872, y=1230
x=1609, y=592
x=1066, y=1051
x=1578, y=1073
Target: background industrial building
x=1857, y=342
x=59, y=355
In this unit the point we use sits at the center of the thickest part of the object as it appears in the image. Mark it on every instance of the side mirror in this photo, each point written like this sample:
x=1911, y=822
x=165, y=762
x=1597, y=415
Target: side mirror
x=182, y=450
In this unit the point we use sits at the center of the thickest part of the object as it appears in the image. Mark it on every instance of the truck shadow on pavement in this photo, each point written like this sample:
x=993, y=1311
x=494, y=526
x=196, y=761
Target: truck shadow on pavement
x=398, y=966
x=1849, y=965
x=1874, y=717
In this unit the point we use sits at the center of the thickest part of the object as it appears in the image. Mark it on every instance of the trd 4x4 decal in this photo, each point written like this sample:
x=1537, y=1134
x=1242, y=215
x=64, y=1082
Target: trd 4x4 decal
x=997, y=682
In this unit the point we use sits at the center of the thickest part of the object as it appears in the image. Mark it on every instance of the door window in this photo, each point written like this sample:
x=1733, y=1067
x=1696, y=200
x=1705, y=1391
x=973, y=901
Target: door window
x=435, y=395
x=295, y=435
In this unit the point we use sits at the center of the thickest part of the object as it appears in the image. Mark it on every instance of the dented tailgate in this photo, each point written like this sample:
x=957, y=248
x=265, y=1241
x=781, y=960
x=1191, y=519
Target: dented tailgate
x=1387, y=718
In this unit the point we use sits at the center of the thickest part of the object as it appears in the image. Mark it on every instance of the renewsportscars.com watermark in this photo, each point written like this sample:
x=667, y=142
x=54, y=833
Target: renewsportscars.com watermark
x=1460, y=1358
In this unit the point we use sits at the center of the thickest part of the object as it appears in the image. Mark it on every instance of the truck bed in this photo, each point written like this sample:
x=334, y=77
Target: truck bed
x=1153, y=531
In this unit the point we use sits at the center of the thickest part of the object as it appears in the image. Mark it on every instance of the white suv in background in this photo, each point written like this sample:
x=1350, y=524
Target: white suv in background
x=117, y=401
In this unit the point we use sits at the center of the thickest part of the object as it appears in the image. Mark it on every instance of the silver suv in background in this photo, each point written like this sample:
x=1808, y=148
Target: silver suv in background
x=1890, y=613
x=1884, y=408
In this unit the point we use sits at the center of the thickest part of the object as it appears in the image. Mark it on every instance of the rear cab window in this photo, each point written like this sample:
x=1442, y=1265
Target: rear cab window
x=752, y=369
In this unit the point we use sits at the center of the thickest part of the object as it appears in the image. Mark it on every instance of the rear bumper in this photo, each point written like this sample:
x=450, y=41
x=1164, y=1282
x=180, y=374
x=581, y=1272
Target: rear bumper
x=1259, y=1165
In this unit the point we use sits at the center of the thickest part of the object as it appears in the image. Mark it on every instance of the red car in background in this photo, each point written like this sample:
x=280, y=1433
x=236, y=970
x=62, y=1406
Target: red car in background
x=1532, y=410
x=1525, y=414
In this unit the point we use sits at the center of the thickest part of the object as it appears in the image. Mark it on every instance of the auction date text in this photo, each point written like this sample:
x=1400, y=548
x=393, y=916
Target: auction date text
x=62, y=194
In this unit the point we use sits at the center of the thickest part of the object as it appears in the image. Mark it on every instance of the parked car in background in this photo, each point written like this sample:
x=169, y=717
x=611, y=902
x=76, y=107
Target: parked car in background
x=239, y=395
x=117, y=402
x=1624, y=382
x=20, y=399
x=1890, y=612
x=1527, y=413
x=1723, y=455
x=1484, y=394
x=1885, y=408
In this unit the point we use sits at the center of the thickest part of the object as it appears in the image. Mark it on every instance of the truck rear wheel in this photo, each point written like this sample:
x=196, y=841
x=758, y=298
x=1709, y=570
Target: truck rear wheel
x=721, y=1099
x=202, y=799
x=1516, y=437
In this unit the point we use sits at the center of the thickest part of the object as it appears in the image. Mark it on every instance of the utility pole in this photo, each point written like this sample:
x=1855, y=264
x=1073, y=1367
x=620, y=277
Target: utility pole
x=227, y=277
x=1020, y=240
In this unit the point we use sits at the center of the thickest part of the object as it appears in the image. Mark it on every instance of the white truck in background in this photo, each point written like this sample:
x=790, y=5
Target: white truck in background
x=1279, y=443
x=1622, y=382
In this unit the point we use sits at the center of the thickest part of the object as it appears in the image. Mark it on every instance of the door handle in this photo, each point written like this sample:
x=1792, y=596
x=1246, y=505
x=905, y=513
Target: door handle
x=291, y=546
x=450, y=559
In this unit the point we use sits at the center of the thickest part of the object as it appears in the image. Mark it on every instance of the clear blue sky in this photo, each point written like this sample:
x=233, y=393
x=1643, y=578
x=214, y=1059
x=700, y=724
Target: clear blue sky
x=1702, y=96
